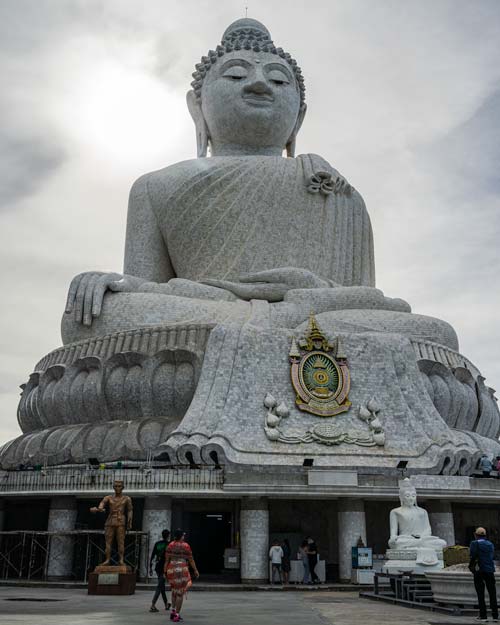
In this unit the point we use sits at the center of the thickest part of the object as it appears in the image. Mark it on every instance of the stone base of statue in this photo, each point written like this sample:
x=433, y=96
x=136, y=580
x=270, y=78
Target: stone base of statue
x=454, y=585
x=418, y=561
x=156, y=389
x=112, y=580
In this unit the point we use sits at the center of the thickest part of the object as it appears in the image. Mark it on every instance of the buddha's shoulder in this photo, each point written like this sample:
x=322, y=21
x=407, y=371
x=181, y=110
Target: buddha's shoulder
x=170, y=177
x=185, y=171
x=166, y=175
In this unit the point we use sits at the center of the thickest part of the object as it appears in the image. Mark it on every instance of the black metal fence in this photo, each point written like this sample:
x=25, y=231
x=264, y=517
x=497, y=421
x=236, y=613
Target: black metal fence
x=30, y=554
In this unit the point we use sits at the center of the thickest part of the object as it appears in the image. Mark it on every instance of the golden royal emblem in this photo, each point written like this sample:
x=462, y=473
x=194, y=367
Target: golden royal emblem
x=320, y=375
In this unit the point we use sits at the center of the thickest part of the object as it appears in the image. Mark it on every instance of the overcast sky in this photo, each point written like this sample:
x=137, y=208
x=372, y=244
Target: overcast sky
x=403, y=99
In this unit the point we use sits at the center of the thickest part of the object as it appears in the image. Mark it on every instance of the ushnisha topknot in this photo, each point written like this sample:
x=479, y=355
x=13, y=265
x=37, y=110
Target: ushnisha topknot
x=406, y=486
x=245, y=34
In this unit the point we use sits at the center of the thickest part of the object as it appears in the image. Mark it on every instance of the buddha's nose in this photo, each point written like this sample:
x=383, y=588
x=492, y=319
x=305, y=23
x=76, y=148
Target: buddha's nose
x=259, y=87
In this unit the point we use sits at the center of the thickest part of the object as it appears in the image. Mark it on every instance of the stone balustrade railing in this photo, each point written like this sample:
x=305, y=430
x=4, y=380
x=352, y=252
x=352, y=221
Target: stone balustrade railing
x=428, y=350
x=148, y=341
x=81, y=480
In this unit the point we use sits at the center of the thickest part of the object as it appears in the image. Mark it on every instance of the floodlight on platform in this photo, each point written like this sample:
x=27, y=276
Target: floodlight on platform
x=401, y=466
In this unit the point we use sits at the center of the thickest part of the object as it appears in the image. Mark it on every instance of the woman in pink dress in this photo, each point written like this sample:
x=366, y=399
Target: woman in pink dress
x=178, y=559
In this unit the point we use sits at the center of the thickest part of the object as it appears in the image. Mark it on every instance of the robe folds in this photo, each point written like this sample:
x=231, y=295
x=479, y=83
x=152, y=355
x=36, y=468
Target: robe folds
x=223, y=216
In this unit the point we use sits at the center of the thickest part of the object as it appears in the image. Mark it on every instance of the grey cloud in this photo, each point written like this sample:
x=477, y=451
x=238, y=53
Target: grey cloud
x=473, y=149
x=468, y=159
x=26, y=162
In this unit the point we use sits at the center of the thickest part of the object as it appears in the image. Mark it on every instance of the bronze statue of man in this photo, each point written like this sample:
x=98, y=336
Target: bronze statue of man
x=119, y=520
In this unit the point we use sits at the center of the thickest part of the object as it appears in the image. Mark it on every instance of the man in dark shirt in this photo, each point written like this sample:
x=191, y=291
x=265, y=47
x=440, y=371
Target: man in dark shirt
x=483, y=568
x=312, y=556
x=158, y=554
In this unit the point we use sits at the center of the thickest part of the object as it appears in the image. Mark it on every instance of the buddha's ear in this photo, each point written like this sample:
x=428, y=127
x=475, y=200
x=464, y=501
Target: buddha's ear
x=194, y=106
x=290, y=144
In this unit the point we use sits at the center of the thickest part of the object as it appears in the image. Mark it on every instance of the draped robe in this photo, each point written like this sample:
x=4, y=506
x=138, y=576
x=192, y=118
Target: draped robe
x=223, y=216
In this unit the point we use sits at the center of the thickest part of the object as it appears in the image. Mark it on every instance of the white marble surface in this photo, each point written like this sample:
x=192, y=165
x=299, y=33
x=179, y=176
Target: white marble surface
x=351, y=526
x=157, y=516
x=441, y=519
x=254, y=538
x=62, y=517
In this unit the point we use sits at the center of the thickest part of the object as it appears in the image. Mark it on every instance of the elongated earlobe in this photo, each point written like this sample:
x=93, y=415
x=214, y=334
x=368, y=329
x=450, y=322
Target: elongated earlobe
x=202, y=137
x=290, y=145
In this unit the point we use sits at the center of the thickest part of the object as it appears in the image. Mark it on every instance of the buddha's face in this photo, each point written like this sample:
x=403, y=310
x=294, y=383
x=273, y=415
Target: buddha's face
x=118, y=487
x=250, y=98
x=409, y=498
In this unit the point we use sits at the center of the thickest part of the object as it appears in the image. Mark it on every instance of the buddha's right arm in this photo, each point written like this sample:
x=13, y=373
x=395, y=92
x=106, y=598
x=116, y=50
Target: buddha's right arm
x=146, y=254
x=147, y=266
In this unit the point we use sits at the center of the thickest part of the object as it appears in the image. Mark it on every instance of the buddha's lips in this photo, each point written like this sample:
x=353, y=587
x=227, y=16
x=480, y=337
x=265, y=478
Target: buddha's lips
x=258, y=99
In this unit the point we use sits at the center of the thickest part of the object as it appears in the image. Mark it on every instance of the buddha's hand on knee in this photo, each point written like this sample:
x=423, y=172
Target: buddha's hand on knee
x=86, y=293
x=273, y=284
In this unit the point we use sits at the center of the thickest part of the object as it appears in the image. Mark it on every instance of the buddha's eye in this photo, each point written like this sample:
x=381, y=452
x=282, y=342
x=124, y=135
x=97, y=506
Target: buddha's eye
x=278, y=77
x=235, y=72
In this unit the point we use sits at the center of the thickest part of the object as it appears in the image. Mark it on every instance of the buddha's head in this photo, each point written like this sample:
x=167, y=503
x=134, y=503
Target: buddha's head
x=118, y=487
x=248, y=96
x=407, y=494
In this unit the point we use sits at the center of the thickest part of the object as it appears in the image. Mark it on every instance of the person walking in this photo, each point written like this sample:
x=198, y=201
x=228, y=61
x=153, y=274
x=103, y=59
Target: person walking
x=285, y=563
x=276, y=557
x=483, y=568
x=302, y=555
x=312, y=556
x=158, y=554
x=497, y=466
x=178, y=559
x=485, y=465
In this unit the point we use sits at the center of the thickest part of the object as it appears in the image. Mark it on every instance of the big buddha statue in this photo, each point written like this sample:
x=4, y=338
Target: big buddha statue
x=226, y=256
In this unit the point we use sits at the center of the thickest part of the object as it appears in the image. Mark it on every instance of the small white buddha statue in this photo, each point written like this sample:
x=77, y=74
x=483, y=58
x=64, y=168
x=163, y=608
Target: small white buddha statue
x=411, y=529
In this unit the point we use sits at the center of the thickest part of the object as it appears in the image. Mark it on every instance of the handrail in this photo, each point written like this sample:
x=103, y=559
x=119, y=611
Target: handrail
x=54, y=480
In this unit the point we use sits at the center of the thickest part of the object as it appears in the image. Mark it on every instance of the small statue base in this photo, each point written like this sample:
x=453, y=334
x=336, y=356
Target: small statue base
x=410, y=566
x=112, y=568
x=405, y=561
x=112, y=580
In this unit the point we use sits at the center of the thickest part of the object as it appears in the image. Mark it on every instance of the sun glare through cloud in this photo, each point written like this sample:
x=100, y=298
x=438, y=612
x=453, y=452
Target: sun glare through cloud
x=123, y=116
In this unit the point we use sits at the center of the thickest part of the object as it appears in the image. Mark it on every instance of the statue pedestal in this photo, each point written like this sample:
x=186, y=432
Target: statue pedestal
x=454, y=586
x=112, y=580
x=405, y=561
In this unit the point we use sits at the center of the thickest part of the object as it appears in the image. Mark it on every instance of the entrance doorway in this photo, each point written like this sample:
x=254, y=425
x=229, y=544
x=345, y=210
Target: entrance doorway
x=208, y=533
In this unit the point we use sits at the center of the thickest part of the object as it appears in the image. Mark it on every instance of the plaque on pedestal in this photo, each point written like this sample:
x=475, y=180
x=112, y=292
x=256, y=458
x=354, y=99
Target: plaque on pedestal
x=112, y=580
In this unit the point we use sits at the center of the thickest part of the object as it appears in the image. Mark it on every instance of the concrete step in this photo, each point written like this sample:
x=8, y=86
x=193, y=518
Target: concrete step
x=197, y=586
